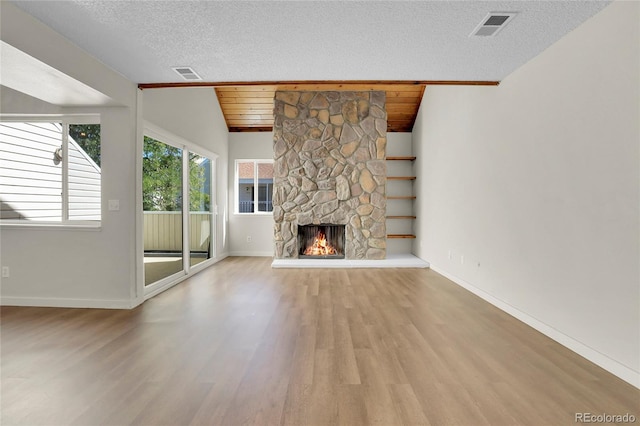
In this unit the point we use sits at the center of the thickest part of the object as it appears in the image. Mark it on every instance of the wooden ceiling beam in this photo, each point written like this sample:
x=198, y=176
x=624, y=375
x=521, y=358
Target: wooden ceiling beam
x=321, y=84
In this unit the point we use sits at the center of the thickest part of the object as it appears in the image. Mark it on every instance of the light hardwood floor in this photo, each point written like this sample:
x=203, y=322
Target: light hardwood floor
x=241, y=343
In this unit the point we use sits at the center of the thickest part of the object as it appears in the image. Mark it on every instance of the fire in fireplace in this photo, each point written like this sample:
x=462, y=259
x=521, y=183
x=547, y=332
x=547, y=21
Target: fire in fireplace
x=321, y=242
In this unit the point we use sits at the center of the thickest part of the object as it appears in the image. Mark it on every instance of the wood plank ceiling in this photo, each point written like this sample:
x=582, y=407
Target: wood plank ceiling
x=249, y=107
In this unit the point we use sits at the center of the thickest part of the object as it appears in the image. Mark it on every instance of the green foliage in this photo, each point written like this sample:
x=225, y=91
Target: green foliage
x=161, y=176
x=199, y=196
x=87, y=136
x=162, y=179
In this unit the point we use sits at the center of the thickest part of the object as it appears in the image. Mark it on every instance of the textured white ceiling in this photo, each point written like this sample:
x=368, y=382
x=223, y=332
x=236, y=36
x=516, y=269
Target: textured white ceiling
x=310, y=40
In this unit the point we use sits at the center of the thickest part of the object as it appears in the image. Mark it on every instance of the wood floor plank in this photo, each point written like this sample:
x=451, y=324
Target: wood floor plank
x=407, y=405
x=352, y=409
x=241, y=343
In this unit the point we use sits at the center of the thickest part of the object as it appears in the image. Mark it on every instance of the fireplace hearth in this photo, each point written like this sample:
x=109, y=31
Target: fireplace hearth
x=325, y=241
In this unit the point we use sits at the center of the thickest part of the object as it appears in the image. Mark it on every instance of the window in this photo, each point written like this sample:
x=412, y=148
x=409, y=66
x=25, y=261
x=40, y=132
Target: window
x=50, y=171
x=254, y=184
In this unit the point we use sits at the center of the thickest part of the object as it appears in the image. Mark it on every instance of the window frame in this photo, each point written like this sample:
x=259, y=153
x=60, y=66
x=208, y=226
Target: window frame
x=65, y=223
x=164, y=136
x=236, y=208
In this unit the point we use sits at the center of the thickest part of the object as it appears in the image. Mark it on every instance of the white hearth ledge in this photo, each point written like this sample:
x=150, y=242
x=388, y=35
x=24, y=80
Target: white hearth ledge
x=392, y=261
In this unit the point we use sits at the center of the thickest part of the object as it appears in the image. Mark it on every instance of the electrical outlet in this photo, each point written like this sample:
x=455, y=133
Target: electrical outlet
x=248, y=238
x=5, y=272
x=462, y=259
x=114, y=205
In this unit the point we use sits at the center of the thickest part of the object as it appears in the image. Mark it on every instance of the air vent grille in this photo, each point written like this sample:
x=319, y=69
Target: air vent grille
x=187, y=73
x=492, y=24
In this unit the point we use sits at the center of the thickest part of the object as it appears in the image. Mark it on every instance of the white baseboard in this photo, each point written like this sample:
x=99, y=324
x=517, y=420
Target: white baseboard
x=54, y=302
x=252, y=253
x=221, y=256
x=614, y=367
x=392, y=261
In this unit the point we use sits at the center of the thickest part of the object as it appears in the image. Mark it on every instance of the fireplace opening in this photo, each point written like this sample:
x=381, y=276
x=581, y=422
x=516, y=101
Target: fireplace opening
x=321, y=241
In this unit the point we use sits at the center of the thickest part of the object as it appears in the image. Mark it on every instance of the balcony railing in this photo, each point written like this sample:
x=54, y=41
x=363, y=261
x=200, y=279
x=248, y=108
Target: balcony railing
x=163, y=231
x=247, y=206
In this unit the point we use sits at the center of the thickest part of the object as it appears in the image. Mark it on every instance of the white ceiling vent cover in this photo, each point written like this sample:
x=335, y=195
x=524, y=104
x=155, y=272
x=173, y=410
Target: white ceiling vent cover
x=492, y=24
x=187, y=73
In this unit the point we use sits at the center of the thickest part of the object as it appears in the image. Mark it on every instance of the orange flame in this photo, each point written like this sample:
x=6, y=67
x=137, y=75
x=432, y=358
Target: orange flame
x=320, y=247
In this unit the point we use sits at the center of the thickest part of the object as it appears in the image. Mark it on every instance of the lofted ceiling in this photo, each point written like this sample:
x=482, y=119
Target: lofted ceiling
x=409, y=43
x=248, y=107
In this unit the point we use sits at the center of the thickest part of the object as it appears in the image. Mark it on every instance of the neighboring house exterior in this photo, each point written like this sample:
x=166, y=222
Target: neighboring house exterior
x=31, y=176
x=246, y=186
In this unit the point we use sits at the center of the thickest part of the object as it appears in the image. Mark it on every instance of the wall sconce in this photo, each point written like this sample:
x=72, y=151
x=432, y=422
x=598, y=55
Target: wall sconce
x=57, y=156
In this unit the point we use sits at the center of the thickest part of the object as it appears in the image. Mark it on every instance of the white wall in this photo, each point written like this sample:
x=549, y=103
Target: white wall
x=536, y=183
x=194, y=114
x=83, y=268
x=75, y=267
x=242, y=145
x=14, y=102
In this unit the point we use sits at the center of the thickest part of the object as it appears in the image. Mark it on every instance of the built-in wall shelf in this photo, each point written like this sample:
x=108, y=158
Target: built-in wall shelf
x=401, y=186
x=401, y=197
x=401, y=158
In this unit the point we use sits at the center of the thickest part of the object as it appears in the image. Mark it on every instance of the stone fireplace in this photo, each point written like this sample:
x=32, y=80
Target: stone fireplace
x=329, y=168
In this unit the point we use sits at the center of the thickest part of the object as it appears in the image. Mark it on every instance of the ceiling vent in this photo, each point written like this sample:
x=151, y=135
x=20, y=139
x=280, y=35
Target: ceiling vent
x=187, y=73
x=492, y=24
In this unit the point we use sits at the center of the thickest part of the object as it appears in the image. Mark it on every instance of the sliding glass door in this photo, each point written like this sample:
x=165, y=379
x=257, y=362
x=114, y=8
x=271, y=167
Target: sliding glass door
x=178, y=209
x=162, y=205
x=200, y=209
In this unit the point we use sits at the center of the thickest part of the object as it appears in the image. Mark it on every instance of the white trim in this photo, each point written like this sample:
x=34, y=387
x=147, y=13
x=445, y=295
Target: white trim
x=222, y=256
x=89, y=118
x=213, y=184
x=65, y=173
x=176, y=212
x=51, y=226
x=186, y=217
x=166, y=284
x=168, y=138
x=202, y=265
x=392, y=261
x=614, y=367
x=256, y=185
x=64, y=120
x=137, y=292
x=55, y=302
x=251, y=253
x=249, y=214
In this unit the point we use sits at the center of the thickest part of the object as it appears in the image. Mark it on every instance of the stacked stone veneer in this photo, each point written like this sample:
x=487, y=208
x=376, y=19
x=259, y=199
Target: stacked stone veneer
x=329, y=151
